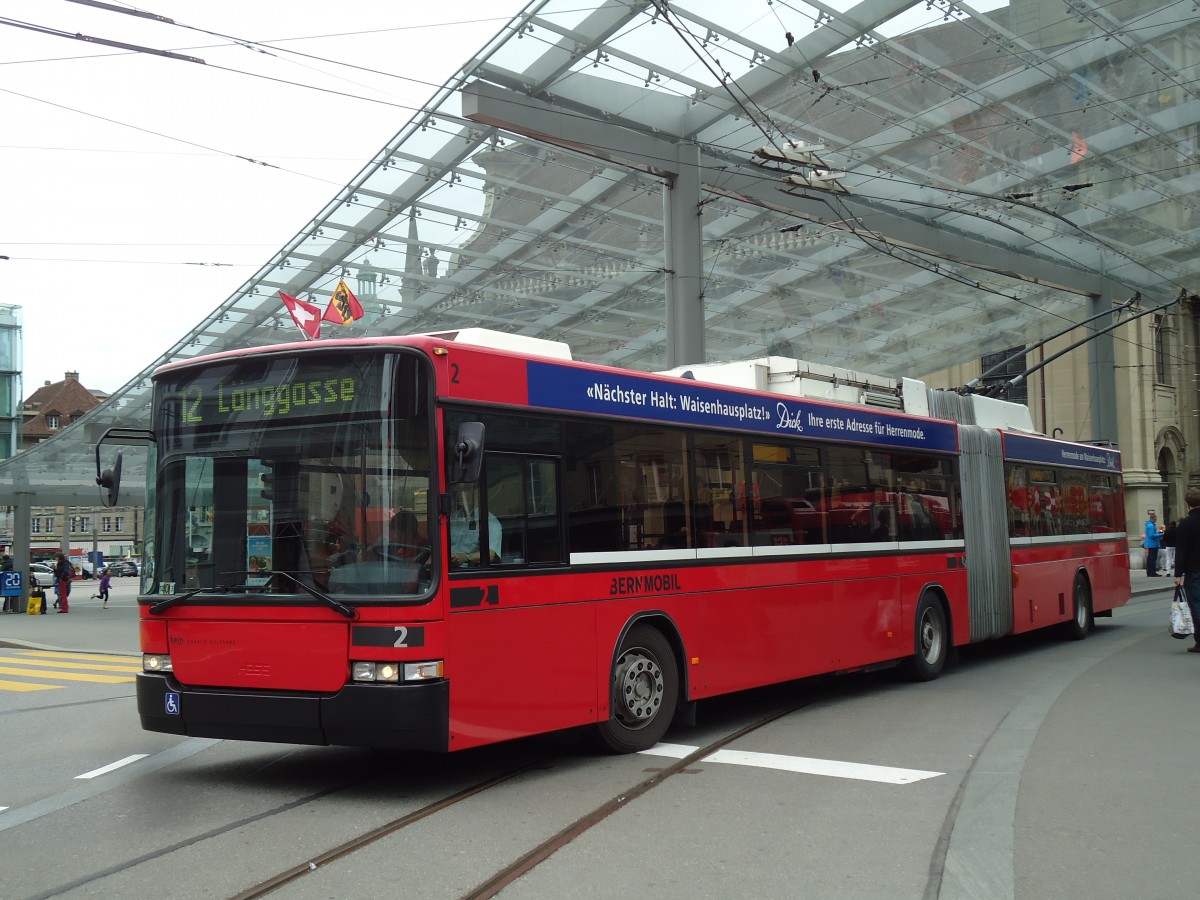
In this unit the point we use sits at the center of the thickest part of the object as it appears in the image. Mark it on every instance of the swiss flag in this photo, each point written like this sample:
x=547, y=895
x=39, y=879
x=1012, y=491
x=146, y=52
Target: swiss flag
x=306, y=316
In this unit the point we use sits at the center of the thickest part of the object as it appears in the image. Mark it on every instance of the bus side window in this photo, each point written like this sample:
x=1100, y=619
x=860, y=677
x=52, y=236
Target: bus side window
x=523, y=496
x=1018, y=501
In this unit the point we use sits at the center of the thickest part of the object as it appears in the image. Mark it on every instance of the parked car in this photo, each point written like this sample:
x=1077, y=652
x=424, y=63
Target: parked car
x=40, y=574
x=123, y=567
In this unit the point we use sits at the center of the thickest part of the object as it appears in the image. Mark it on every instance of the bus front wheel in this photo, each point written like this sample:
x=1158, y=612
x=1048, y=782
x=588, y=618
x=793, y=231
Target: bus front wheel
x=645, y=691
x=931, y=640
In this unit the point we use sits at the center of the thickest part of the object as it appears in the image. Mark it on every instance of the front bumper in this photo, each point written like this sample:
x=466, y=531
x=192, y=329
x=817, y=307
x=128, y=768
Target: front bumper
x=400, y=716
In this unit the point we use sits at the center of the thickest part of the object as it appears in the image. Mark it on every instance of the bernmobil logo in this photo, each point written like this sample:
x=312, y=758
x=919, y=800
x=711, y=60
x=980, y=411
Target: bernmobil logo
x=626, y=585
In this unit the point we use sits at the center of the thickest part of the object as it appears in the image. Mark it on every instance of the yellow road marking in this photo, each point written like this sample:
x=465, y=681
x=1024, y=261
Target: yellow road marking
x=99, y=657
x=99, y=667
x=25, y=686
x=65, y=676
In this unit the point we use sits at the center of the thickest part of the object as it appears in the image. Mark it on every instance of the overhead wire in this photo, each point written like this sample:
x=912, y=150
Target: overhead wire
x=848, y=217
x=750, y=116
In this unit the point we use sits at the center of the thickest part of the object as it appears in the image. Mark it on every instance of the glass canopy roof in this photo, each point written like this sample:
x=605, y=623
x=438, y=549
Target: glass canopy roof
x=963, y=176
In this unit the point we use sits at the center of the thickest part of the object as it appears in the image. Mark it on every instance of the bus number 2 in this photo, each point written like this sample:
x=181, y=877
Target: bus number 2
x=401, y=636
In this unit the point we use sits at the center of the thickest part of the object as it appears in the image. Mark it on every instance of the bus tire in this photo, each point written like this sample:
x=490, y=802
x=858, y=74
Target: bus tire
x=1082, y=620
x=645, y=692
x=931, y=640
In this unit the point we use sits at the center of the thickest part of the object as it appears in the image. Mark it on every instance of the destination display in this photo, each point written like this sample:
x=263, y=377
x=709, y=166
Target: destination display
x=285, y=390
x=1026, y=448
x=687, y=402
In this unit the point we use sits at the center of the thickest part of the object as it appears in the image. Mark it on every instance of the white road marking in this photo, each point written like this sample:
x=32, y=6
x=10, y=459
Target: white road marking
x=3, y=808
x=111, y=766
x=68, y=798
x=803, y=764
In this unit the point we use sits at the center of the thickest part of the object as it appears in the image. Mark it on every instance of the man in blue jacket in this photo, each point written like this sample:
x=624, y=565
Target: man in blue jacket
x=1151, y=542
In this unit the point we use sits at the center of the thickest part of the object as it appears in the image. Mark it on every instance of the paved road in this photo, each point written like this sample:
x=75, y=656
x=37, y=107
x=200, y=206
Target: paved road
x=1035, y=769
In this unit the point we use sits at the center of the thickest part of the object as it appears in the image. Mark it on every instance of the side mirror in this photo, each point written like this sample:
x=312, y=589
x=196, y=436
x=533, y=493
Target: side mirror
x=111, y=480
x=468, y=453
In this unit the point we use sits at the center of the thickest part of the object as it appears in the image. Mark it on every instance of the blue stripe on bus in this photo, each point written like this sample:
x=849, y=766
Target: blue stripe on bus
x=687, y=402
x=1026, y=448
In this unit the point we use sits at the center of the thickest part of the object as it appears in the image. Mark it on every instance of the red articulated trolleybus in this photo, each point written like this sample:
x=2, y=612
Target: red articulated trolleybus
x=446, y=540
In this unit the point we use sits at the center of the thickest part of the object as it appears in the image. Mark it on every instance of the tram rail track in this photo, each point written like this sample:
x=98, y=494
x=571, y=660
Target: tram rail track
x=263, y=888
x=523, y=857
x=534, y=856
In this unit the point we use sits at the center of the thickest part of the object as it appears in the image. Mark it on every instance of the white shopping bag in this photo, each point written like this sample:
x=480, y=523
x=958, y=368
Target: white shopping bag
x=1181, y=616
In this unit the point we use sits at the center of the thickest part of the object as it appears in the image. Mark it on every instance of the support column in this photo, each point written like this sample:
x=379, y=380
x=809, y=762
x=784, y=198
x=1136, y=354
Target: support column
x=22, y=522
x=1102, y=381
x=684, y=260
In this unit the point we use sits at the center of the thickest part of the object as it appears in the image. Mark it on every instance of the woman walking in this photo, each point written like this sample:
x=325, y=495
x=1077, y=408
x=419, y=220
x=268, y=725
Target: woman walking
x=62, y=577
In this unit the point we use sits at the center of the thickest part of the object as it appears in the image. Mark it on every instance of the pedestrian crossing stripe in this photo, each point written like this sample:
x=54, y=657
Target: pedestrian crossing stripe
x=26, y=686
x=55, y=664
x=97, y=657
x=65, y=676
x=43, y=664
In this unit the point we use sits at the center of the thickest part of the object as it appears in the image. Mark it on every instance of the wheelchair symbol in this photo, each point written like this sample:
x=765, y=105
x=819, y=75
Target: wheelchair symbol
x=172, y=704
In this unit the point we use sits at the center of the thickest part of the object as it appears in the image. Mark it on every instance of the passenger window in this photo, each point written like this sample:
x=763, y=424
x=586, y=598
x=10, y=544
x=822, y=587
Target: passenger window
x=523, y=495
x=786, y=480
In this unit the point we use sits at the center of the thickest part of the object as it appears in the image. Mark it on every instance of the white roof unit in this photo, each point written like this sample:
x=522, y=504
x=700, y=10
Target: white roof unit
x=502, y=340
x=1003, y=414
x=797, y=378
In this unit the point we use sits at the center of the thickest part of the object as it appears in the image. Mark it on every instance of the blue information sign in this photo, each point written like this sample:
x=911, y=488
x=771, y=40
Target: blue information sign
x=10, y=584
x=687, y=402
x=1027, y=448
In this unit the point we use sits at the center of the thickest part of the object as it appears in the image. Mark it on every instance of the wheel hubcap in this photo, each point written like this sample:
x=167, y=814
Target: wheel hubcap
x=931, y=637
x=640, y=687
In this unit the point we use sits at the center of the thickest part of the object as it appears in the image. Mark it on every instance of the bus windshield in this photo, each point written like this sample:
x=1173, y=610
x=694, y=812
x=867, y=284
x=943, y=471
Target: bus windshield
x=279, y=472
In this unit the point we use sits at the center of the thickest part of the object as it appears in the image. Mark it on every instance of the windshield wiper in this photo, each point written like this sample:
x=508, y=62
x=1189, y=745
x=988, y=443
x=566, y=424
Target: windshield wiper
x=340, y=608
x=163, y=605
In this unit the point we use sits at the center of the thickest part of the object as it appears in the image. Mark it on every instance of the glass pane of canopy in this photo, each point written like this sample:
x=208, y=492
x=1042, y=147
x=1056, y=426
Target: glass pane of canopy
x=974, y=144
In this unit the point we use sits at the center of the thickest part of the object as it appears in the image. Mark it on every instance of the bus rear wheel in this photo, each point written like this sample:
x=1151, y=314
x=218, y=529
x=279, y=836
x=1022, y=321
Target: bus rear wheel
x=645, y=692
x=931, y=640
x=1081, y=621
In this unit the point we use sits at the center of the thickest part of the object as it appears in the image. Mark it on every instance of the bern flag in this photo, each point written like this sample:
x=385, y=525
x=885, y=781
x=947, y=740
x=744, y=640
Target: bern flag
x=344, y=307
x=306, y=316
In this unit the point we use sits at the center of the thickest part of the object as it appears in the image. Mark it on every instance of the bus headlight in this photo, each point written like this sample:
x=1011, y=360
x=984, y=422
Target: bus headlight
x=156, y=662
x=376, y=671
x=394, y=672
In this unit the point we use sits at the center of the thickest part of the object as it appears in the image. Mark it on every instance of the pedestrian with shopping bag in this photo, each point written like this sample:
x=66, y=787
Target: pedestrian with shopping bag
x=1187, y=560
